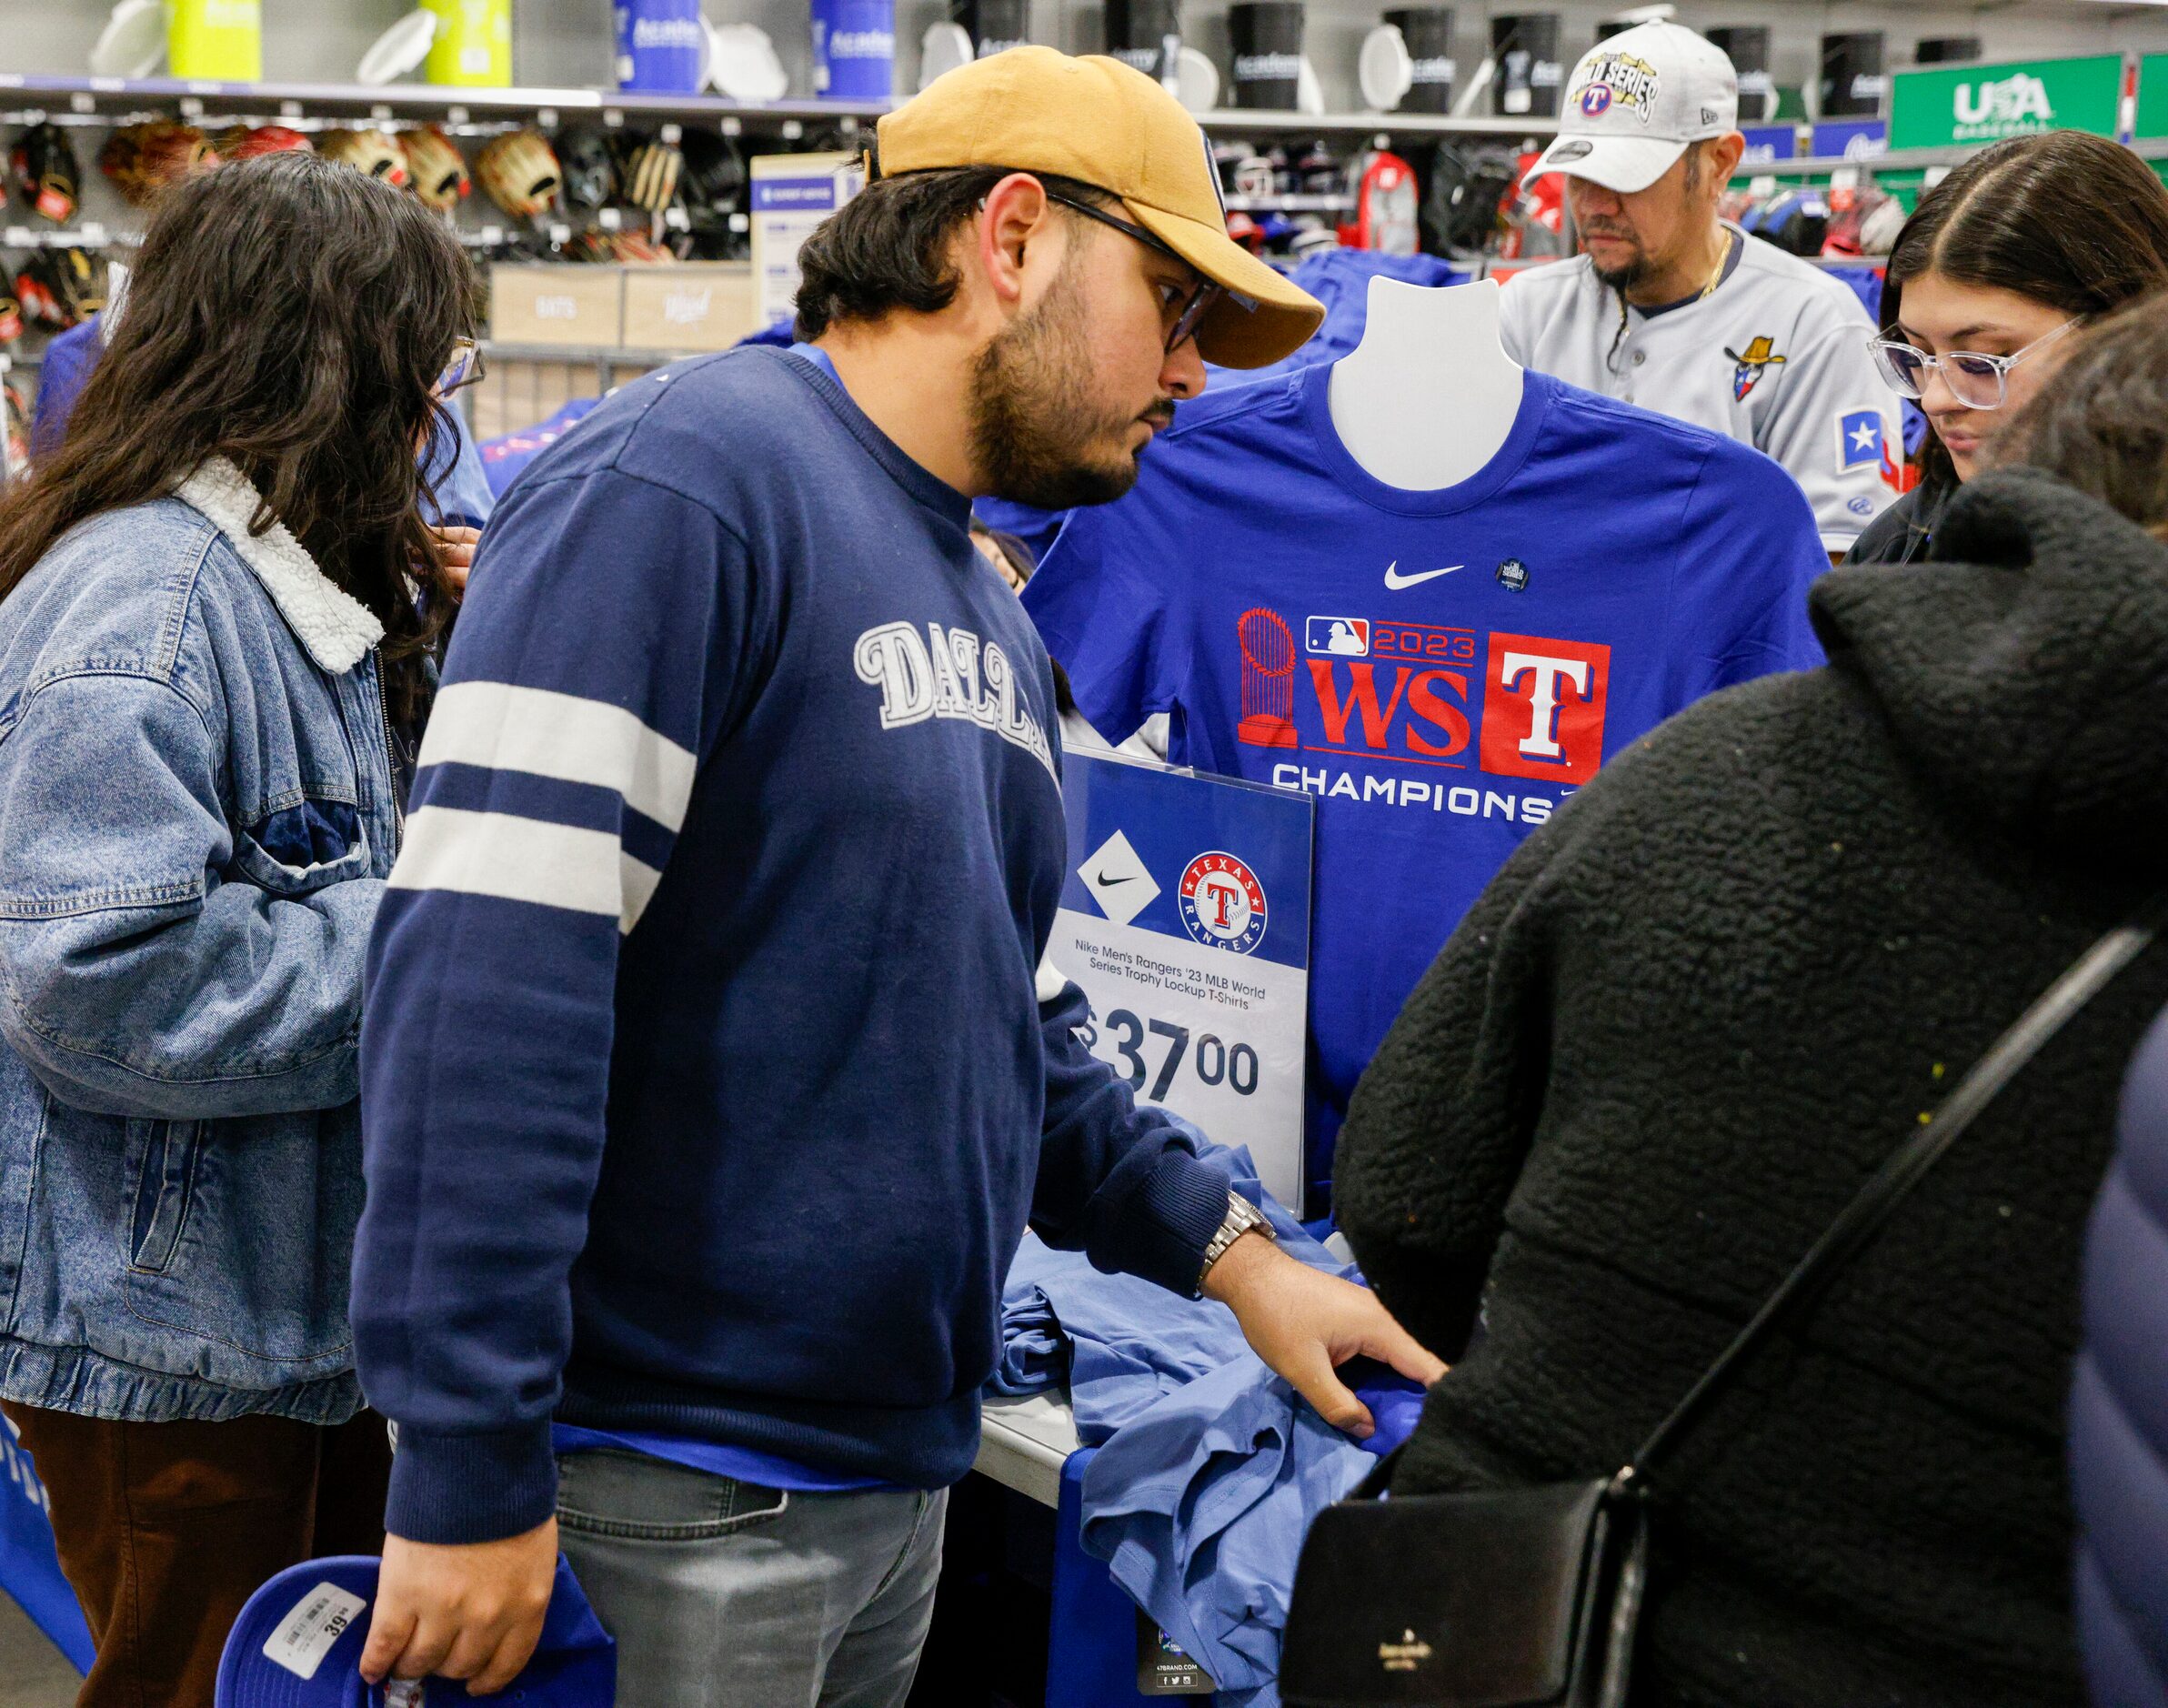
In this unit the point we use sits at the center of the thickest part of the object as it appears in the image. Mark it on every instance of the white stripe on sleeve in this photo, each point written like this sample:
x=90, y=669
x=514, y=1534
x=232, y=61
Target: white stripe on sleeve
x=523, y=859
x=547, y=734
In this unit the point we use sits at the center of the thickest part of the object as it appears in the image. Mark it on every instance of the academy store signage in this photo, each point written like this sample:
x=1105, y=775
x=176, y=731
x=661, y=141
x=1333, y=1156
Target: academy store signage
x=1971, y=102
x=1186, y=919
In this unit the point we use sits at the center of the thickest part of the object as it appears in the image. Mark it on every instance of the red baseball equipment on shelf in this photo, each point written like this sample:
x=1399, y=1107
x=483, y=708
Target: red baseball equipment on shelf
x=46, y=173
x=1385, y=206
x=244, y=143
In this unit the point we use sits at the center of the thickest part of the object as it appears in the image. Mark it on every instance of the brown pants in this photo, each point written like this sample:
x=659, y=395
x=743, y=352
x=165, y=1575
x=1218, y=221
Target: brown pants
x=166, y=1529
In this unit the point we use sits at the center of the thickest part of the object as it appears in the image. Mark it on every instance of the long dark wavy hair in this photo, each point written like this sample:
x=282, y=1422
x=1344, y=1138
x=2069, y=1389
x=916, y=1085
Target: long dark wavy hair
x=2071, y=220
x=291, y=315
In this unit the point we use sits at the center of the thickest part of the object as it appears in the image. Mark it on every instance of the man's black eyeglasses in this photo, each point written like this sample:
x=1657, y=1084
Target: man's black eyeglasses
x=1187, y=311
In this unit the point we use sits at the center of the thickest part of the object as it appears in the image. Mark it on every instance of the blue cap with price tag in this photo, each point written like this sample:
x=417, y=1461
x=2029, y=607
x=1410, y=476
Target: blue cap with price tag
x=298, y=1643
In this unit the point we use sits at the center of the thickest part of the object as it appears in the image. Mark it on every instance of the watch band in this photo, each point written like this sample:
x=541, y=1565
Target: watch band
x=1242, y=1217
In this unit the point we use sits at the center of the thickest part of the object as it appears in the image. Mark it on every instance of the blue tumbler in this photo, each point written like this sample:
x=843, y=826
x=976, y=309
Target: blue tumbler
x=854, y=49
x=662, y=45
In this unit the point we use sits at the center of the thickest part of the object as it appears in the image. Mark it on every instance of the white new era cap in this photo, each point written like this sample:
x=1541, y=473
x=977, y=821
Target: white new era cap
x=1635, y=101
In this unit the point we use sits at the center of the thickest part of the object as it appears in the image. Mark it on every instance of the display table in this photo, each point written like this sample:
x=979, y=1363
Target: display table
x=1030, y=1445
x=1024, y=1443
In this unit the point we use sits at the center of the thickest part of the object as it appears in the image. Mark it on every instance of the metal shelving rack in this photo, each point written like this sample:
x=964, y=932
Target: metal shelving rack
x=1905, y=160
x=100, y=99
x=103, y=100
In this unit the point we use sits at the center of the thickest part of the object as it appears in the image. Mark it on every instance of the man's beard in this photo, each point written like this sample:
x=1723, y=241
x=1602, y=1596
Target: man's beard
x=1624, y=278
x=1034, y=426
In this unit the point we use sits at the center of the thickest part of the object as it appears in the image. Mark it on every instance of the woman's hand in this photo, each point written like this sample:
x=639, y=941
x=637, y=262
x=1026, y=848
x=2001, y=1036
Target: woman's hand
x=456, y=547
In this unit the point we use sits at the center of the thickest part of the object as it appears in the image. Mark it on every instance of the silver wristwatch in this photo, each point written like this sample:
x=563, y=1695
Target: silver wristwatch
x=1241, y=1216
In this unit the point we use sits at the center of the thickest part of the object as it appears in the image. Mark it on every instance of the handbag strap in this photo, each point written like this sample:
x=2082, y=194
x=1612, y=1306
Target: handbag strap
x=1863, y=1217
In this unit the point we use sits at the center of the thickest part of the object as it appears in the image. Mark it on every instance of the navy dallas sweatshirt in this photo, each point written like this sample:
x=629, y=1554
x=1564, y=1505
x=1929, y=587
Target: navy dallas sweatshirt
x=709, y=1069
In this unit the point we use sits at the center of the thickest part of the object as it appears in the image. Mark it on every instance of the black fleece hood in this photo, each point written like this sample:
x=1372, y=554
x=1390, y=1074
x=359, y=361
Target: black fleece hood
x=2023, y=667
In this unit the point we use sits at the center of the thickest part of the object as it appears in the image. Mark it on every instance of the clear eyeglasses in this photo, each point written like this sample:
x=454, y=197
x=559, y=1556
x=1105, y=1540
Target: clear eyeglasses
x=462, y=370
x=1976, y=381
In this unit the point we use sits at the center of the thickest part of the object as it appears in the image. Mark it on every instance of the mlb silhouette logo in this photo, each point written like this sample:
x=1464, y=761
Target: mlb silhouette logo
x=1338, y=636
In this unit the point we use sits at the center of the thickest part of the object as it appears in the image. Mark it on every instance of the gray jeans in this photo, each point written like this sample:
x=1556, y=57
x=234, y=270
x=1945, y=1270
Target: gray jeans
x=725, y=1594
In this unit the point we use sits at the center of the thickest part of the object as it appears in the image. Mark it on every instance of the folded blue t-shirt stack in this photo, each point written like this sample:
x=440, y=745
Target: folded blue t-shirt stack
x=1209, y=1467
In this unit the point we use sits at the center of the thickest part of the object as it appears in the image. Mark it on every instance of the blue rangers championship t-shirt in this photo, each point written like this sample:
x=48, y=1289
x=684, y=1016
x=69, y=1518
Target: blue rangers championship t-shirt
x=1439, y=669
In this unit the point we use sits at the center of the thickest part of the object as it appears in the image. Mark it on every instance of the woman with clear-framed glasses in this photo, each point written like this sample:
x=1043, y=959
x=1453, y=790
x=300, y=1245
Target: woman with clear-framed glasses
x=2016, y=248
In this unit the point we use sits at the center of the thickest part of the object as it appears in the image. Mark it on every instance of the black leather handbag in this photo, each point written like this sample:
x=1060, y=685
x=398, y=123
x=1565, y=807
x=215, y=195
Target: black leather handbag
x=1531, y=1598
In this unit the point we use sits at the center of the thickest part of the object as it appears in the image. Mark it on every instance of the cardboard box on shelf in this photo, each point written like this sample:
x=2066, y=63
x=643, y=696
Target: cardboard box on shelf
x=564, y=305
x=697, y=306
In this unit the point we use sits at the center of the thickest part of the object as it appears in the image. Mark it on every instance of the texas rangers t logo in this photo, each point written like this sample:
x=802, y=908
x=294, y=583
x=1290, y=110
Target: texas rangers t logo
x=1222, y=904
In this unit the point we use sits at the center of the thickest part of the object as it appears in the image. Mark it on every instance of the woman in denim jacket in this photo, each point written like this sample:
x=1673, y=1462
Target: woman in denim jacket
x=217, y=602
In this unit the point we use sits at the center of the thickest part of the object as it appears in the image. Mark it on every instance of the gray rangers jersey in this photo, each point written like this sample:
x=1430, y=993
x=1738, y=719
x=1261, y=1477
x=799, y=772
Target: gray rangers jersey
x=1776, y=354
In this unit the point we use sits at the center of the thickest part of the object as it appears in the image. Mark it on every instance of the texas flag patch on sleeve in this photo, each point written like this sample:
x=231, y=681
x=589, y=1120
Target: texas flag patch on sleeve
x=1859, y=440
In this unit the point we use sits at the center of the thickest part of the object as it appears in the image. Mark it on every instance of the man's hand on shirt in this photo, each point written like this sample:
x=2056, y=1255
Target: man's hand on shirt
x=456, y=549
x=472, y=1610
x=1305, y=1323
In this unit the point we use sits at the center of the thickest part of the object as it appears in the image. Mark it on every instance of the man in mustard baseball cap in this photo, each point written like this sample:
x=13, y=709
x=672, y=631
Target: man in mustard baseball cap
x=1099, y=122
x=1047, y=233
x=684, y=1250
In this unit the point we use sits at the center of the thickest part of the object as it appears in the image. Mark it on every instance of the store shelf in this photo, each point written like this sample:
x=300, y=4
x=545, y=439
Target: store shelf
x=102, y=97
x=1293, y=203
x=65, y=238
x=582, y=355
x=1241, y=119
x=95, y=96
x=1905, y=160
x=90, y=96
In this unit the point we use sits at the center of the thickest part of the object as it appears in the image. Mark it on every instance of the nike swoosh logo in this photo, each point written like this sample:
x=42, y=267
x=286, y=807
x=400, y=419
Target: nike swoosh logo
x=1396, y=581
x=1107, y=882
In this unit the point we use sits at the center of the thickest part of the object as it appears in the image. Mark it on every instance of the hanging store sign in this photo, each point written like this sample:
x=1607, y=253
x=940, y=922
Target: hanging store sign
x=1186, y=919
x=1768, y=143
x=2152, y=96
x=1849, y=139
x=1974, y=103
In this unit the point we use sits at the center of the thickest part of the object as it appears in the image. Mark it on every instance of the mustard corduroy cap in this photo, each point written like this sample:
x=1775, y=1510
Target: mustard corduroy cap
x=1101, y=123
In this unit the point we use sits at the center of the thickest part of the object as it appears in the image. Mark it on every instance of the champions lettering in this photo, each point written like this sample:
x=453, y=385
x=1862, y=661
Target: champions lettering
x=947, y=673
x=1461, y=799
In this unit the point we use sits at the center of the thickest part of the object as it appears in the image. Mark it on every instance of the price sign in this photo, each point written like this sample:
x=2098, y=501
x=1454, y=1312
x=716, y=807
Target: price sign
x=1186, y=919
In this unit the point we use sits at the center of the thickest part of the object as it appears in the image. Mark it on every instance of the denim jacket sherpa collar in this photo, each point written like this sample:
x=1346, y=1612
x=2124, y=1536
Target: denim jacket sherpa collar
x=336, y=628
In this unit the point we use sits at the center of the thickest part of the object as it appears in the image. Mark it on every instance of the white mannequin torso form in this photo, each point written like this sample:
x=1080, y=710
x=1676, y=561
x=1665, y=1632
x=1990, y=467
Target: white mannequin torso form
x=1430, y=394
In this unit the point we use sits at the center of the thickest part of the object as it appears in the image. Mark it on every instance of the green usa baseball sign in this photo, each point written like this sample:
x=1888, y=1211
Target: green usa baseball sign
x=2152, y=96
x=1983, y=103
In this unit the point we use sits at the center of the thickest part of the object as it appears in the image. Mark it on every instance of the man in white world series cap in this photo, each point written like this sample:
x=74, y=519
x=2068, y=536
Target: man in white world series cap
x=1671, y=307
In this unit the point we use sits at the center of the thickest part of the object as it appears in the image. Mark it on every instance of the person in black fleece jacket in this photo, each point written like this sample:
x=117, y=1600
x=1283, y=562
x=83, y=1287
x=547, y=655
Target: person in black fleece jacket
x=1688, y=1019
